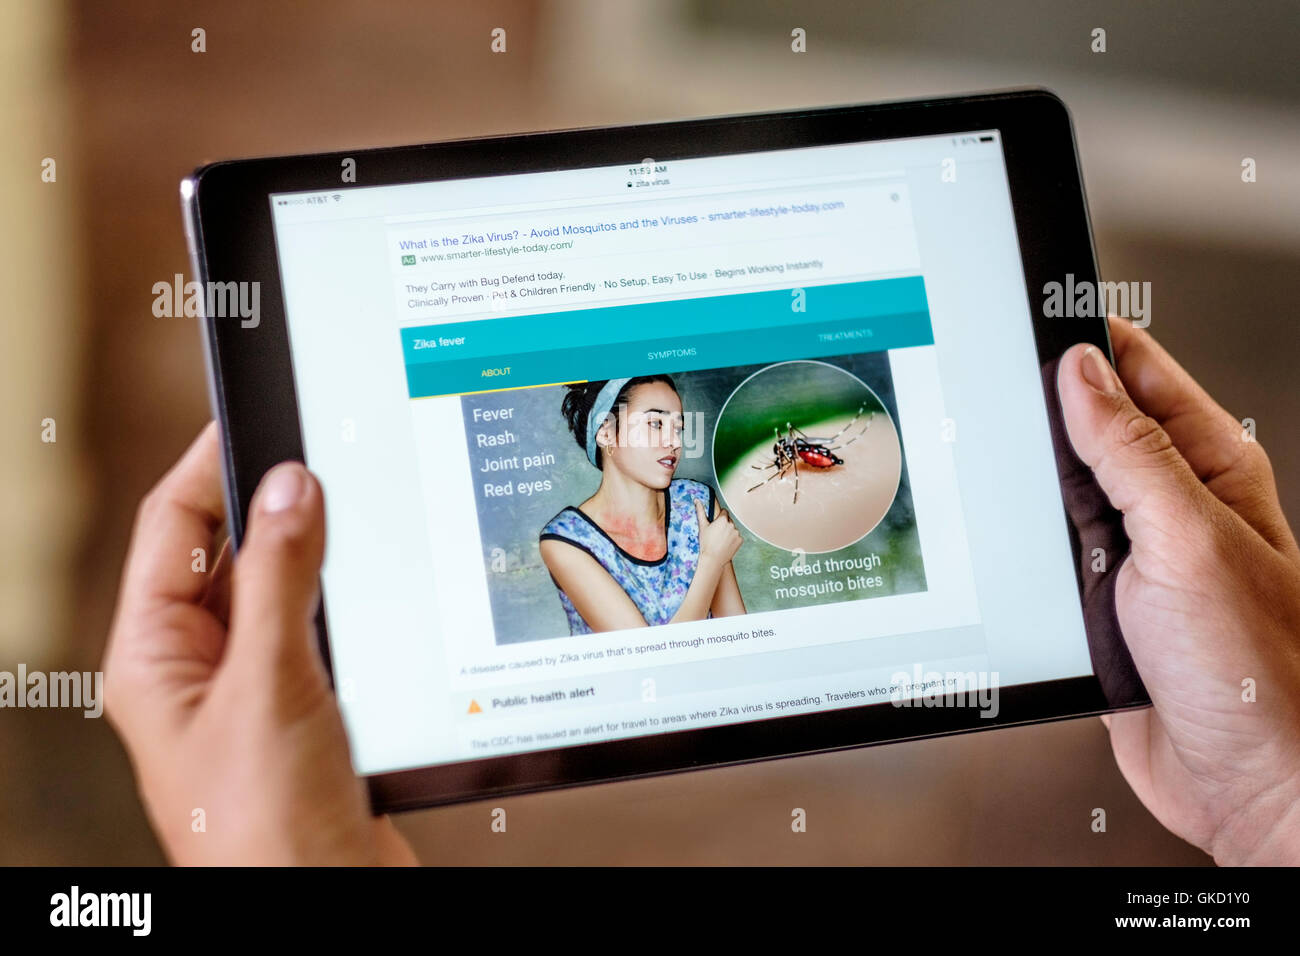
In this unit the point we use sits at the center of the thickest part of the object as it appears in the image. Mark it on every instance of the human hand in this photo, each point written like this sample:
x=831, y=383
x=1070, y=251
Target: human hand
x=216, y=686
x=1208, y=597
x=719, y=539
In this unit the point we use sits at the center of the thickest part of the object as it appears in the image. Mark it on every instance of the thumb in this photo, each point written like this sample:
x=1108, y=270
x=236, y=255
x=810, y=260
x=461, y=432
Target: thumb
x=275, y=583
x=700, y=516
x=1135, y=462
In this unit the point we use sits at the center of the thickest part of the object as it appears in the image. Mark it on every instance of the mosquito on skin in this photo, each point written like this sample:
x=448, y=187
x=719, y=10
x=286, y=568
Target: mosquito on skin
x=796, y=446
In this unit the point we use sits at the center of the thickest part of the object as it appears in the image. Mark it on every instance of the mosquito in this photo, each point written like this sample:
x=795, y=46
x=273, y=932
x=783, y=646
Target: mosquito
x=796, y=446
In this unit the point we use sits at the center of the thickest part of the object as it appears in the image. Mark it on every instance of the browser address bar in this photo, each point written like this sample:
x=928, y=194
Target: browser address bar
x=478, y=212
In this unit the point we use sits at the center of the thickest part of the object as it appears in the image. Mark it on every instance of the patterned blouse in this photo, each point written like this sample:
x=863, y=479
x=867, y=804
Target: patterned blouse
x=657, y=588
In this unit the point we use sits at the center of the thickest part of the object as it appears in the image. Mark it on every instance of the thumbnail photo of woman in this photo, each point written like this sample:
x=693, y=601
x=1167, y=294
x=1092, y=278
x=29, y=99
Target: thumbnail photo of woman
x=646, y=548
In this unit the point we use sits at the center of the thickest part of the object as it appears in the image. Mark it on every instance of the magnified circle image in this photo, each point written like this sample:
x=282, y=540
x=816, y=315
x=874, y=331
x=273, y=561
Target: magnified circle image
x=807, y=456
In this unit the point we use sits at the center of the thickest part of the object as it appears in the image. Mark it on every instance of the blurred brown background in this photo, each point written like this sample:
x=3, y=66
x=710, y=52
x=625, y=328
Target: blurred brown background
x=113, y=93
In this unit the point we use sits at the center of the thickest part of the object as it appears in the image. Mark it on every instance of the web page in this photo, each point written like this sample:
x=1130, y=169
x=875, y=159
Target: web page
x=624, y=451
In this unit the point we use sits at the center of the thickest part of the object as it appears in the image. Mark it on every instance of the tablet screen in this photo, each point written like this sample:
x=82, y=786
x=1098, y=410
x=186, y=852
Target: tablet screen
x=621, y=451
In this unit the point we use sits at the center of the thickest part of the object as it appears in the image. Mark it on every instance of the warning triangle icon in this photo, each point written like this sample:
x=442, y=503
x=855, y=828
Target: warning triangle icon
x=474, y=708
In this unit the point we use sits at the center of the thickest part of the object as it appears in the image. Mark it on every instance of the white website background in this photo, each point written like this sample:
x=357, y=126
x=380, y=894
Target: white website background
x=406, y=610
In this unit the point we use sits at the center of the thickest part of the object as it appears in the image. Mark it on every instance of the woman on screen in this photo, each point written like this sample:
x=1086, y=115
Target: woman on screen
x=646, y=548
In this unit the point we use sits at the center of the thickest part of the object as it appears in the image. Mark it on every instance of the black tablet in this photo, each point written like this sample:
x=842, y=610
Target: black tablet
x=677, y=445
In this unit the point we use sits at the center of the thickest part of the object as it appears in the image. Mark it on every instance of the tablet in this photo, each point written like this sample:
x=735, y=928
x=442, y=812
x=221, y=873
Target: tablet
x=677, y=445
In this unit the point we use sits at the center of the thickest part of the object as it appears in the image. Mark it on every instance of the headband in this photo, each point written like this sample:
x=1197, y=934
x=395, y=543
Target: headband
x=600, y=409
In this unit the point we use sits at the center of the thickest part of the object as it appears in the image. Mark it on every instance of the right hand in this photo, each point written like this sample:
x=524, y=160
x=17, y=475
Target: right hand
x=719, y=539
x=1208, y=597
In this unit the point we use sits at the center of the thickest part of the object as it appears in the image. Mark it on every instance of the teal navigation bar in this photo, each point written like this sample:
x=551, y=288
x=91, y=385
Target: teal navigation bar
x=676, y=336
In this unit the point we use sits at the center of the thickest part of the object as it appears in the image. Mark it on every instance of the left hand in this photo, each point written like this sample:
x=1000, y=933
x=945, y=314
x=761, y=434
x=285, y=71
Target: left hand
x=217, y=688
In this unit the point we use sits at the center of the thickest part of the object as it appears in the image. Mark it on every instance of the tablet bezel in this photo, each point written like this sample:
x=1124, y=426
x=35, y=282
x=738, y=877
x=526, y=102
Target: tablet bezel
x=228, y=224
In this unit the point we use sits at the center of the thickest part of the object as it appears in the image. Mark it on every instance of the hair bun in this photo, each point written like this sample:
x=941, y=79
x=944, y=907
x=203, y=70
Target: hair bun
x=576, y=408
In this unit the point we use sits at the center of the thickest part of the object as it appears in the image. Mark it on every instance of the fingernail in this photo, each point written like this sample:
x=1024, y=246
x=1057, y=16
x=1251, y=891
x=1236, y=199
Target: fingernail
x=1097, y=371
x=282, y=488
